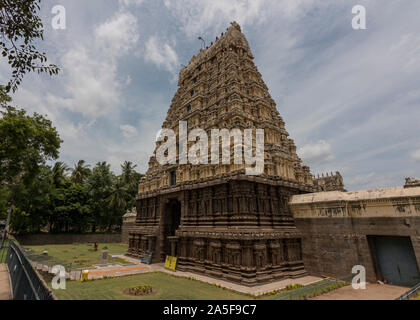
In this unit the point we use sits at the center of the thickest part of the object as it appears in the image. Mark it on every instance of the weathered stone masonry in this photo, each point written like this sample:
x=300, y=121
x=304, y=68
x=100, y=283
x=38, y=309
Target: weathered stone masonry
x=337, y=227
x=217, y=220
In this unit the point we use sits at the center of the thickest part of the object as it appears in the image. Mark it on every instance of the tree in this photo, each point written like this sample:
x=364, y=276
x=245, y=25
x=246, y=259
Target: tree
x=99, y=187
x=4, y=97
x=128, y=172
x=80, y=172
x=33, y=203
x=20, y=27
x=58, y=175
x=131, y=179
x=118, y=202
x=71, y=209
x=26, y=143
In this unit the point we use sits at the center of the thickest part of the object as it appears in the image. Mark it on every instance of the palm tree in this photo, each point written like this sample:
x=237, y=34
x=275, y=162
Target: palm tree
x=119, y=195
x=128, y=172
x=58, y=174
x=80, y=172
x=118, y=201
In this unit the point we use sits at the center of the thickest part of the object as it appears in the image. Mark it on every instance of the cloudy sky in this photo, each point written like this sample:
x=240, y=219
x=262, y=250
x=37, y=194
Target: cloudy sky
x=350, y=98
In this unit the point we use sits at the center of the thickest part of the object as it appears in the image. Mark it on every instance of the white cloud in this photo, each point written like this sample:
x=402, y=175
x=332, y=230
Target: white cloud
x=316, y=153
x=130, y=2
x=128, y=80
x=197, y=17
x=90, y=84
x=161, y=54
x=363, y=180
x=415, y=155
x=117, y=35
x=355, y=89
x=91, y=81
x=129, y=131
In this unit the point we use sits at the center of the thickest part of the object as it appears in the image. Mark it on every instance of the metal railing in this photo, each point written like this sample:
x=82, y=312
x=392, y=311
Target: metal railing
x=412, y=293
x=26, y=284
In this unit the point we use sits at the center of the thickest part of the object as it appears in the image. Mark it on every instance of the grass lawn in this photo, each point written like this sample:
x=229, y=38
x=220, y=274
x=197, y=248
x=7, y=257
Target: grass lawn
x=80, y=255
x=3, y=253
x=166, y=286
x=169, y=287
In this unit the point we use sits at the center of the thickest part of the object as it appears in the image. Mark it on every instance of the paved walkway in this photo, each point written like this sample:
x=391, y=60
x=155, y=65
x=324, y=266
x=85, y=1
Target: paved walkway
x=118, y=271
x=372, y=292
x=5, y=293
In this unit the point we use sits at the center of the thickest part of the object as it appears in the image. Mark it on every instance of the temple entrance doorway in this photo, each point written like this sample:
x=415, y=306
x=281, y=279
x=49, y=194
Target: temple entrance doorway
x=171, y=222
x=395, y=260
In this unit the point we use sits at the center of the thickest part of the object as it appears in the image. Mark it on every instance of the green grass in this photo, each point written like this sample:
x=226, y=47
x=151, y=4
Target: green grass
x=167, y=288
x=3, y=253
x=309, y=291
x=416, y=298
x=79, y=255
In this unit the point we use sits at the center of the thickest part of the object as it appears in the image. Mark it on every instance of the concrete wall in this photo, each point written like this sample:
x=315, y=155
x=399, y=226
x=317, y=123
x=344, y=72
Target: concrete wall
x=336, y=227
x=42, y=239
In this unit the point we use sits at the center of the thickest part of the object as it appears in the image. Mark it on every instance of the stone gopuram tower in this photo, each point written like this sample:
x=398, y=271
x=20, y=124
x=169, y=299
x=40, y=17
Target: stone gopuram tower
x=216, y=219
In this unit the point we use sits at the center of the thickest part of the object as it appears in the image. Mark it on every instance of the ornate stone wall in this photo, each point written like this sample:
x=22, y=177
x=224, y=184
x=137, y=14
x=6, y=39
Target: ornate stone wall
x=216, y=219
x=221, y=88
x=336, y=226
x=333, y=182
x=239, y=229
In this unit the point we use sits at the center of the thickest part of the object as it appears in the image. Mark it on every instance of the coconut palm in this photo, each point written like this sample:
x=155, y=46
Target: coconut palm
x=119, y=195
x=118, y=201
x=80, y=172
x=59, y=174
x=128, y=172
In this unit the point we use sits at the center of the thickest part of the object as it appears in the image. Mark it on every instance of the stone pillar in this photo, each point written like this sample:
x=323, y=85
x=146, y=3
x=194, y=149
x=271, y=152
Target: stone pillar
x=138, y=247
x=247, y=257
x=151, y=242
x=130, y=242
x=174, y=245
x=259, y=255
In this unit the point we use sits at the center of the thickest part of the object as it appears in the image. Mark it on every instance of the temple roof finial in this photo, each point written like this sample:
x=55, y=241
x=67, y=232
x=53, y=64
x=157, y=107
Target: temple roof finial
x=236, y=25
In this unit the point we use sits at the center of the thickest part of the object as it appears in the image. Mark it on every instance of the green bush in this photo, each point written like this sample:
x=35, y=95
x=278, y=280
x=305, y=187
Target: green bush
x=141, y=290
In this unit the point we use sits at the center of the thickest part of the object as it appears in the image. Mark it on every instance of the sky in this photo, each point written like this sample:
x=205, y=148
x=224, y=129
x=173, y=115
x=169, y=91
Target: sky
x=350, y=98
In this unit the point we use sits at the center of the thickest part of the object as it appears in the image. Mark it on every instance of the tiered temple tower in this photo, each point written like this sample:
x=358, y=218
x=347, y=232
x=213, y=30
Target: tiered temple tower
x=216, y=219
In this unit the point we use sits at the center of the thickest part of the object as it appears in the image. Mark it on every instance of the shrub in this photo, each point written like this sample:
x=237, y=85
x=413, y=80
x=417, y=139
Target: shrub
x=141, y=290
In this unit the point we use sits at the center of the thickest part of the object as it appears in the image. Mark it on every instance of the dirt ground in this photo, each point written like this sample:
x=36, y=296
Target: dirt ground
x=5, y=293
x=372, y=292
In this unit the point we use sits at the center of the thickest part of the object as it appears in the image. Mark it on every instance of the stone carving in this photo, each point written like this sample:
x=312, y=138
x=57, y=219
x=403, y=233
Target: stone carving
x=411, y=183
x=333, y=182
x=228, y=224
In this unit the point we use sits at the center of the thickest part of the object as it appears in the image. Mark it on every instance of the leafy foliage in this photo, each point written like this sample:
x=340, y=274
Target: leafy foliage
x=47, y=198
x=54, y=202
x=80, y=172
x=20, y=27
x=27, y=143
